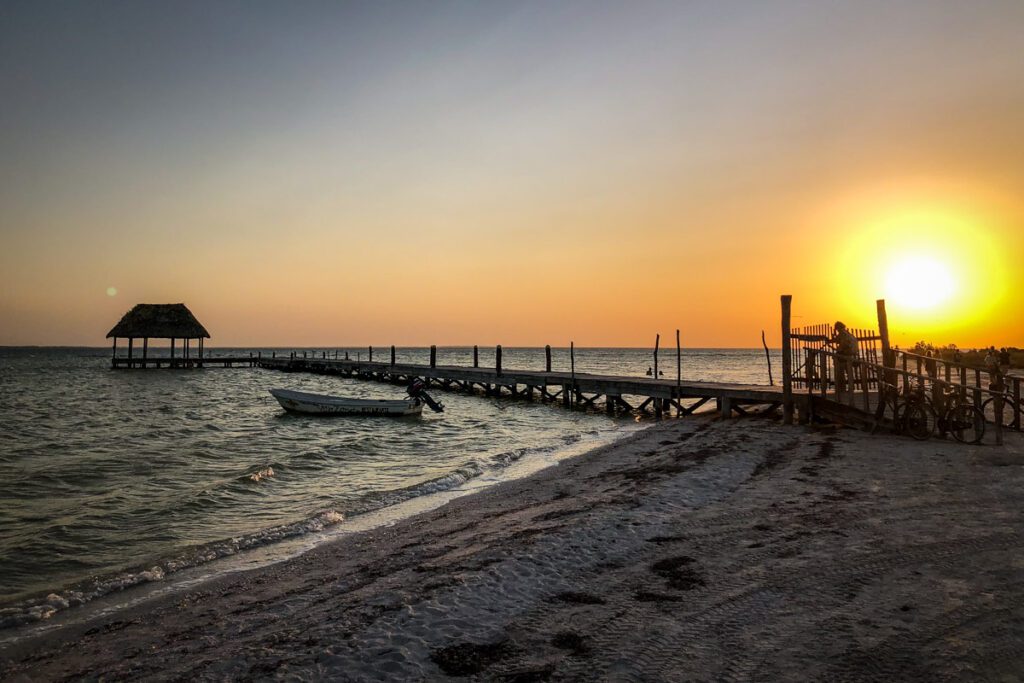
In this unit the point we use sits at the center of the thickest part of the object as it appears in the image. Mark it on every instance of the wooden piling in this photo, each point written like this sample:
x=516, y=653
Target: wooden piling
x=369, y=357
x=433, y=356
x=392, y=354
x=131, y=342
x=497, y=359
x=476, y=356
x=657, y=343
x=679, y=361
x=547, y=357
x=787, y=360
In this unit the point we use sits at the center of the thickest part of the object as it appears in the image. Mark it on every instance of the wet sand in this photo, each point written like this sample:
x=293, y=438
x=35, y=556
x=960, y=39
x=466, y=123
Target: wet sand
x=699, y=549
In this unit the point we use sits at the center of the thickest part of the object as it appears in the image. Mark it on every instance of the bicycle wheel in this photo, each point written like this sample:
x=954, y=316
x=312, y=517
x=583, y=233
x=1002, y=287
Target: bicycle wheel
x=966, y=424
x=917, y=421
x=988, y=408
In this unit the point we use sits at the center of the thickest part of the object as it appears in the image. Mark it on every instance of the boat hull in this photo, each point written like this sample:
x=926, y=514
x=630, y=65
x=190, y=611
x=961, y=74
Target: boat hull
x=319, y=404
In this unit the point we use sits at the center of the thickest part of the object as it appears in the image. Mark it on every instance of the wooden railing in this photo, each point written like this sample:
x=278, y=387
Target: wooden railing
x=866, y=379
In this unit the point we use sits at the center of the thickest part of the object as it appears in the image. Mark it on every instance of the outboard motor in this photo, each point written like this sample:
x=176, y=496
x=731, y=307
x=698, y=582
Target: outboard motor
x=416, y=391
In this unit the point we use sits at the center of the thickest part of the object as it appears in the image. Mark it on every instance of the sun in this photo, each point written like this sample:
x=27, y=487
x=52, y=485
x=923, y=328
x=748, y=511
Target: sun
x=919, y=282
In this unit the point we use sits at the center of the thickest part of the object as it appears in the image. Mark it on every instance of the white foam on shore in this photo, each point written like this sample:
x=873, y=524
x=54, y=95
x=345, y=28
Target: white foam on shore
x=107, y=595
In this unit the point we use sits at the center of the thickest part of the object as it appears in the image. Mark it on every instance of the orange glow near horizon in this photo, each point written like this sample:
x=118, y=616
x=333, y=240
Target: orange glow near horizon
x=493, y=173
x=946, y=271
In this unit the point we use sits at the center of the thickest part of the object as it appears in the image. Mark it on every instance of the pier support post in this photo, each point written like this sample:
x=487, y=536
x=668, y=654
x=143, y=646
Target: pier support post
x=497, y=359
x=547, y=357
x=476, y=356
x=392, y=355
x=566, y=396
x=433, y=356
x=787, y=361
x=369, y=357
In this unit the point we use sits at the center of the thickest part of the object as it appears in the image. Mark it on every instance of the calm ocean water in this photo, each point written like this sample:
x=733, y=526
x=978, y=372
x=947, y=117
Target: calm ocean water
x=108, y=479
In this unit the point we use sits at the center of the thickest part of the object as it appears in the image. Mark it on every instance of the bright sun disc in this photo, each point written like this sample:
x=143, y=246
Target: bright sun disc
x=919, y=282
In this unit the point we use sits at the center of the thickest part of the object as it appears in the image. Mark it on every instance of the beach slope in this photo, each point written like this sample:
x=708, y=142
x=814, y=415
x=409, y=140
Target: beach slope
x=698, y=549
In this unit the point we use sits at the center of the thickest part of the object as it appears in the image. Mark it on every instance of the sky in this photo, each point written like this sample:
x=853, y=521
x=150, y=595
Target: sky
x=523, y=173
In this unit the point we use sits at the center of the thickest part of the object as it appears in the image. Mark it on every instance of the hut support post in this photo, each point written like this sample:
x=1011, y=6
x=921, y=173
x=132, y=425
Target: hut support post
x=172, y=351
x=113, y=353
x=131, y=342
x=787, y=361
x=145, y=350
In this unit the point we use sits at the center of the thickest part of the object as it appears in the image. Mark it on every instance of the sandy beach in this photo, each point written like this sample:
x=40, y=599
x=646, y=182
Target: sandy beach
x=697, y=549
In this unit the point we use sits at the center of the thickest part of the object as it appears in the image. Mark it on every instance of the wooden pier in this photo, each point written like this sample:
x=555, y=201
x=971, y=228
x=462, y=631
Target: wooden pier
x=183, y=362
x=614, y=394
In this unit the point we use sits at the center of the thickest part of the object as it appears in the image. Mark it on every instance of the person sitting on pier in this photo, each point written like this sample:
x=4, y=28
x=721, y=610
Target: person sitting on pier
x=846, y=353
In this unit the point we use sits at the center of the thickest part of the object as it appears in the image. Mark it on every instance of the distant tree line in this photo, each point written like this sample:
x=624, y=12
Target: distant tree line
x=971, y=357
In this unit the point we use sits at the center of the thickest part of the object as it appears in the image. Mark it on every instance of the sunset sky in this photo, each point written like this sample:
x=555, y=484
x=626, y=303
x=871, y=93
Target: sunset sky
x=512, y=172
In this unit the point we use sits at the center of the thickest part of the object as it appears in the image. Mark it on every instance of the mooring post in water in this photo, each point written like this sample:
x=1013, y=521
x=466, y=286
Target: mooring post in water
x=547, y=357
x=679, y=361
x=497, y=359
x=392, y=354
x=657, y=343
x=572, y=367
x=369, y=357
x=433, y=356
x=768, y=358
x=787, y=361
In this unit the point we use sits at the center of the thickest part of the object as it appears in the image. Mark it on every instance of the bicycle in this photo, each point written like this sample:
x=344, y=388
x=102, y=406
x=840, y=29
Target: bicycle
x=961, y=419
x=1009, y=410
x=911, y=416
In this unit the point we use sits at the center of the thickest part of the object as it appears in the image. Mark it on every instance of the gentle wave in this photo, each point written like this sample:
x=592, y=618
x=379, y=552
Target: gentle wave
x=43, y=607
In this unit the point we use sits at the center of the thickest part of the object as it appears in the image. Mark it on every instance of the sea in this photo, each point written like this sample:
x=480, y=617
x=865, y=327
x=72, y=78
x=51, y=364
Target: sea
x=112, y=479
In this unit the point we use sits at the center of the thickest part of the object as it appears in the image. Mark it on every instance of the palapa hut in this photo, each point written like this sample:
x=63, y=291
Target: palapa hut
x=158, y=321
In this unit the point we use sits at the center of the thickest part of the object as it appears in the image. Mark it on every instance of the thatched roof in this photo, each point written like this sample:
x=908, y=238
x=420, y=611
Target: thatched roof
x=159, y=321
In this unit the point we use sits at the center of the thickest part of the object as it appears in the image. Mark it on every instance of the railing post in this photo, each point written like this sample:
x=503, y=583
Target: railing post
x=787, y=361
x=998, y=403
x=809, y=361
x=1016, y=400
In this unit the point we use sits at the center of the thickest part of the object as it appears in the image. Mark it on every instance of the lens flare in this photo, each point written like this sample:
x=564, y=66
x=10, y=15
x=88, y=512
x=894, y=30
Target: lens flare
x=111, y=291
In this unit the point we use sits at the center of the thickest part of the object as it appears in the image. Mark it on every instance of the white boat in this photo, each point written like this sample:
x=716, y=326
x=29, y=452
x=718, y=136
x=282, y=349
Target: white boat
x=319, y=404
